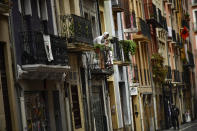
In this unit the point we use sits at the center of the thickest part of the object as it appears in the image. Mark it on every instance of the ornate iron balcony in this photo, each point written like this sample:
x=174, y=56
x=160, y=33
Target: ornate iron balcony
x=4, y=6
x=185, y=23
x=102, y=63
x=33, y=49
x=176, y=76
x=173, y=35
x=191, y=59
x=143, y=28
x=76, y=29
x=169, y=73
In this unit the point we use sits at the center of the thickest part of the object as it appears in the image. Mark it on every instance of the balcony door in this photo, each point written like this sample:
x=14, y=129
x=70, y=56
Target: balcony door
x=98, y=109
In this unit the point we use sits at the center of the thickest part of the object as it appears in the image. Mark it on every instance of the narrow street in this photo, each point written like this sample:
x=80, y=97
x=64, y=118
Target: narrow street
x=187, y=127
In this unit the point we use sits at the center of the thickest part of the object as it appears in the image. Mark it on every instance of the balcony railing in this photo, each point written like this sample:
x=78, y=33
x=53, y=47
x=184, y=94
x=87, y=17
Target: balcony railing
x=173, y=35
x=117, y=50
x=4, y=6
x=118, y=5
x=185, y=23
x=33, y=49
x=176, y=74
x=195, y=27
x=191, y=59
x=143, y=28
x=76, y=29
x=102, y=64
x=194, y=2
x=169, y=73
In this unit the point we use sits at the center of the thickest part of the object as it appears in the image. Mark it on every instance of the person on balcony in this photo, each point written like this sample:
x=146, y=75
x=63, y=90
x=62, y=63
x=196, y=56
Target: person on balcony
x=103, y=39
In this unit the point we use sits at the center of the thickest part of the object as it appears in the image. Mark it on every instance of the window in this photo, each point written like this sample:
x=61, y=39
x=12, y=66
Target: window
x=25, y=7
x=76, y=107
x=43, y=9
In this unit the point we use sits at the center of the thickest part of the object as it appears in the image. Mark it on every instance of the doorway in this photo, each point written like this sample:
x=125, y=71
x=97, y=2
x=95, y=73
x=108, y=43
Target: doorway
x=98, y=109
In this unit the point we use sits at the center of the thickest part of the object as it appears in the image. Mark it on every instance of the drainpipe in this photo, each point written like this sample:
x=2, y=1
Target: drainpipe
x=24, y=121
x=153, y=89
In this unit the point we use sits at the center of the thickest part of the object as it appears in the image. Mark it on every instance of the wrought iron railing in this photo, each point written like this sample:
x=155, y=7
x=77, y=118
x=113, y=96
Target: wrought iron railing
x=176, y=74
x=169, y=73
x=178, y=41
x=102, y=63
x=4, y=2
x=118, y=4
x=191, y=58
x=117, y=50
x=76, y=29
x=185, y=23
x=143, y=28
x=173, y=35
x=33, y=49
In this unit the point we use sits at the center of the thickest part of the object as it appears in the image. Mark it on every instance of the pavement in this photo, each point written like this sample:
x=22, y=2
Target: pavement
x=192, y=126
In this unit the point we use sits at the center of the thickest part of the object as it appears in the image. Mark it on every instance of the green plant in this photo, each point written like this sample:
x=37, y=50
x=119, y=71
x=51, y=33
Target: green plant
x=128, y=46
x=158, y=69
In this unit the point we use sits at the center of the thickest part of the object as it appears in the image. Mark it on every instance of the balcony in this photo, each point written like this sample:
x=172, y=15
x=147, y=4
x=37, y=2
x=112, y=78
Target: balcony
x=195, y=27
x=185, y=23
x=191, y=59
x=35, y=61
x=151, y=14
x=143, y=33
x=118, y=5
x=102, y=64
x=78, y=31
x=4, y=6
x=169, y=2
x=176, y=76
x=179, y=41
x=194, y=3
x=169, y=73
x=173, y=35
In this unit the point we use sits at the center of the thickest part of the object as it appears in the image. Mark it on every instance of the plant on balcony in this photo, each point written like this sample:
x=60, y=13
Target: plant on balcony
x=101, y=47
x=158, y=69
x=129, y=47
